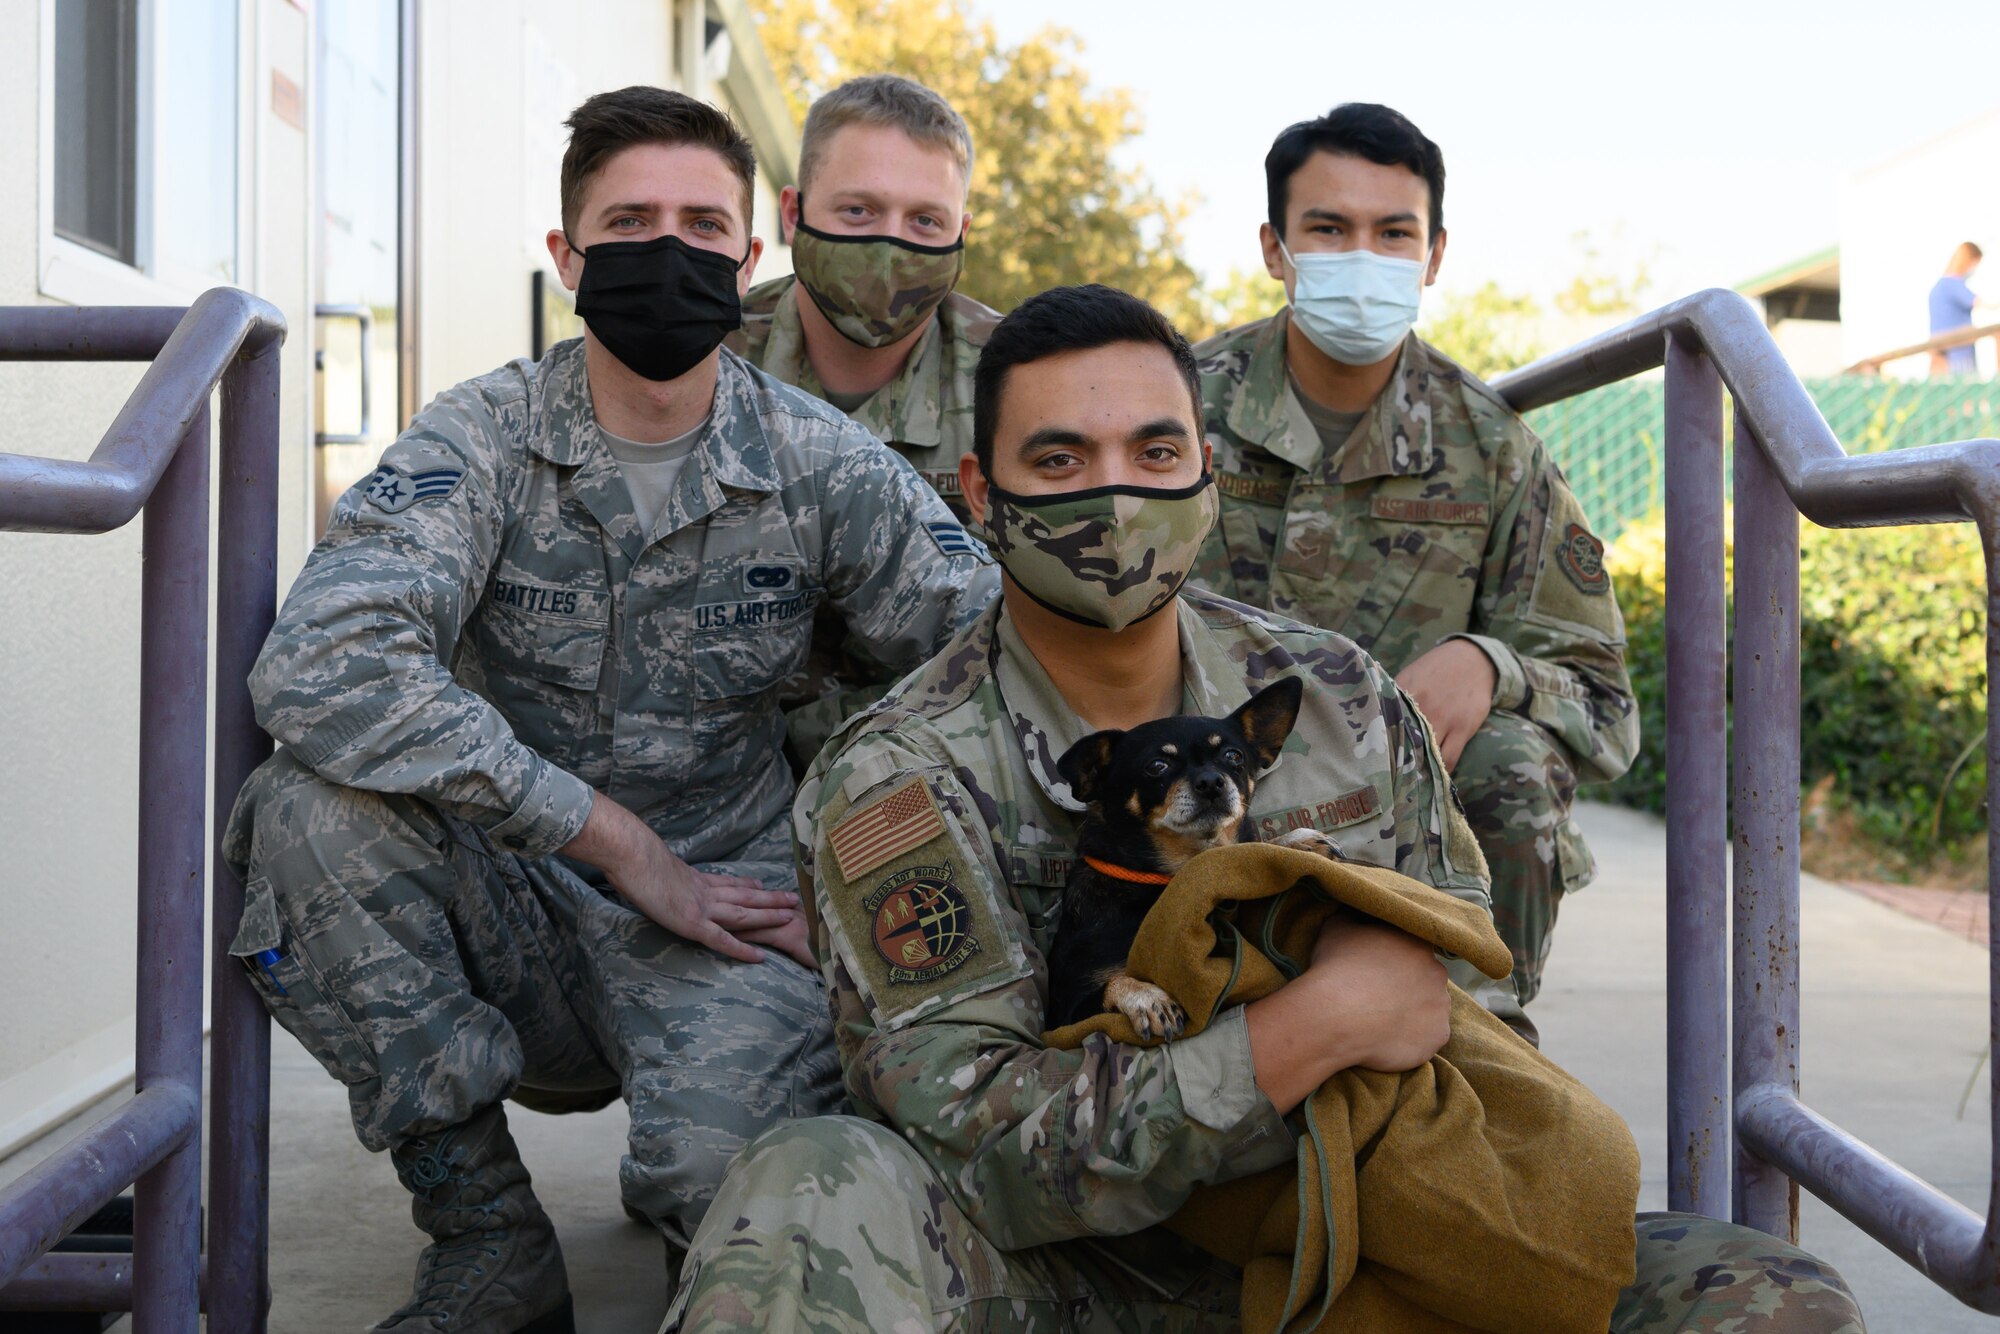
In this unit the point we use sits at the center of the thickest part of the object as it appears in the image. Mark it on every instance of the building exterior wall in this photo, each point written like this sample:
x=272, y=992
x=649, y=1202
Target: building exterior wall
x=1899, y=222
x=69, y=668
x=498, y=80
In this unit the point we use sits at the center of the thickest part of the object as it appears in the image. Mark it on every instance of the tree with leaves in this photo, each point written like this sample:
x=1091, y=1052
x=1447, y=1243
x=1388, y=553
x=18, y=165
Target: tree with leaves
x=1050, y=204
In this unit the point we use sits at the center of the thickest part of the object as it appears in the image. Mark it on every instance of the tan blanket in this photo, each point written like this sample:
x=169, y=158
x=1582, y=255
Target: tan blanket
x=1484, y=1190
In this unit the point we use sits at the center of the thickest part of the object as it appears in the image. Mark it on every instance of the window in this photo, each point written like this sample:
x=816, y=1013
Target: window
x=96, y=86
x=139, y=149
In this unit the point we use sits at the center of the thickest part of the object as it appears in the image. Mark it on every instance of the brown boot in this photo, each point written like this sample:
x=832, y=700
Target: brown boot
x=493, y=1265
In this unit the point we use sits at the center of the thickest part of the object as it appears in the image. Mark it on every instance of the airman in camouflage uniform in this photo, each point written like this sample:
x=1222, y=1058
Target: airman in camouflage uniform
x=486, y=635
x=887, y=162
x=1437, y=516
x=873, y=309
x=999, y=1184
x=996, y=1181
x=1441, y=517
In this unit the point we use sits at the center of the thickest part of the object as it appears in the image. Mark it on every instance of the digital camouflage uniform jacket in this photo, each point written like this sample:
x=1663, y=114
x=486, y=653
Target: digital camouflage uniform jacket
x=938, y=838
x=485, y=625
x=1441, y=517
x=924, y=414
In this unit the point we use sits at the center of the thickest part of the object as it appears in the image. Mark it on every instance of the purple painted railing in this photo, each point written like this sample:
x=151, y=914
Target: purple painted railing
x=1787, y=464
x=155, y=457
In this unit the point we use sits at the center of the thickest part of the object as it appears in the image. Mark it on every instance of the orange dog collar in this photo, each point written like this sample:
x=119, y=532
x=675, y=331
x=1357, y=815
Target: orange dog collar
x=1125, y=873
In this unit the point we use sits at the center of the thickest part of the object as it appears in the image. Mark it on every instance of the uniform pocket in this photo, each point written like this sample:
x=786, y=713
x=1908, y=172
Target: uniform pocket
x=294, y=992
x=545, y=633
x=747, y=645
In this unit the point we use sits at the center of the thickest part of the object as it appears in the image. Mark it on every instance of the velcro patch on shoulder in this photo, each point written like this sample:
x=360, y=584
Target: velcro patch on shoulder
x=1471, y=513
x=1572, y=585
x=910, y=911
x=392, y=490
x=865, y=838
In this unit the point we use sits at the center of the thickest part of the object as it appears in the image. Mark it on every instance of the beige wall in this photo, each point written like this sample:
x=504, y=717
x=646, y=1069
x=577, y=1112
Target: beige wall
x=498, y=80
x=69, y=670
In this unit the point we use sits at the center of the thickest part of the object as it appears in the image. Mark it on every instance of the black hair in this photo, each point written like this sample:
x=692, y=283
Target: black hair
x=1068, y=319
x=1355, y=129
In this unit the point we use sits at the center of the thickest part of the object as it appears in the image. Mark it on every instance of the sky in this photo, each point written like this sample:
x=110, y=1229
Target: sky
x=1704, y=140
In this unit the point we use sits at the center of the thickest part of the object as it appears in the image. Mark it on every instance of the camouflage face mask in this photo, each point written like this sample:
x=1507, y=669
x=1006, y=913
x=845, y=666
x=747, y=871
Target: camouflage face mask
x=1110, y=556
x=875, y=289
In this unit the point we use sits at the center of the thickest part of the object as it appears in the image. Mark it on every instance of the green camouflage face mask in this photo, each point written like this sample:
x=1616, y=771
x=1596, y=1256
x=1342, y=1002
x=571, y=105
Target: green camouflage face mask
x=874, y=289
x=1110, y=556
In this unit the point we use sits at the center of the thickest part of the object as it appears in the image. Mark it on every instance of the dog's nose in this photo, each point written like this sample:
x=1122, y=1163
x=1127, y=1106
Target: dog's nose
x=1209, y=783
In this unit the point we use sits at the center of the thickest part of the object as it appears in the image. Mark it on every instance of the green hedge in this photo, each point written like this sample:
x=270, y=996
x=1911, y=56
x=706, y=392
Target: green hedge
x=1893, y=670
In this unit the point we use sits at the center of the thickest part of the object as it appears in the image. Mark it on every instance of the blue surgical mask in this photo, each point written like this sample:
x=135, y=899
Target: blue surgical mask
x=1355, y=305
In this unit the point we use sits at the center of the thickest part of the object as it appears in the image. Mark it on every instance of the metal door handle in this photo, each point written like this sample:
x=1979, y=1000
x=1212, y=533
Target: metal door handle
x=365, y=318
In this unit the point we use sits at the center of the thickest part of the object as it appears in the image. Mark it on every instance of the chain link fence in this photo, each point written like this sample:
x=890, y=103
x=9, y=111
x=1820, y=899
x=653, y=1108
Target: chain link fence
x=1608, y=441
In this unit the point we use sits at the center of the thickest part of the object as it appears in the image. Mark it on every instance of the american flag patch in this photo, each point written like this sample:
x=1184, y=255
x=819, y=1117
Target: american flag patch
x=866, y=838
x=953, y=540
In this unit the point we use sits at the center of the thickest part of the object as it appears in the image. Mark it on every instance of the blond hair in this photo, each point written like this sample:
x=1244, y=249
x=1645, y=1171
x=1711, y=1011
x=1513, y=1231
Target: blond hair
x=884, y=99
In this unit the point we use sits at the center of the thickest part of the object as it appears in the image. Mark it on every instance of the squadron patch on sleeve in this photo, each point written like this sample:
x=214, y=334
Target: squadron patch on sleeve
x=1581, y=557
x=1572, y=586
x=392, y=490
x=911, y=911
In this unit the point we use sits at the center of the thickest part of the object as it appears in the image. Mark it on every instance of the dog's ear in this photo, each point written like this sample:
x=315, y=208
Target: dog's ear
x=1267, y=719
x=1082, y=764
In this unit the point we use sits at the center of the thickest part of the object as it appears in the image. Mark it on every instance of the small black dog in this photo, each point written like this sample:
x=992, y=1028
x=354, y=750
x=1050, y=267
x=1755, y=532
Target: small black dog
x=1157, y=795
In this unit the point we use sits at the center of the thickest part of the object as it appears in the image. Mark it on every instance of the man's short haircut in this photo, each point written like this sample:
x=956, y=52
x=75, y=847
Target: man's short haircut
x=884, y=99
x=1354, y=129
x=609, y=123
x=1967, y=250
x=1068, y=319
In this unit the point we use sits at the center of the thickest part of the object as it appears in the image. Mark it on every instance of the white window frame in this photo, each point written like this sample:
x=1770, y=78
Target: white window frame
x=79, y=275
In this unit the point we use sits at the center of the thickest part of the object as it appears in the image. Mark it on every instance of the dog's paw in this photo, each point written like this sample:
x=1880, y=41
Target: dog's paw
x=1151, y=1010
x=1311, y=840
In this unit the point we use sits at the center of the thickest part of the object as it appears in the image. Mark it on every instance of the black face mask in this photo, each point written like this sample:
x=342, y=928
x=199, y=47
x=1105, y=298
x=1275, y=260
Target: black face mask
x=659, y=306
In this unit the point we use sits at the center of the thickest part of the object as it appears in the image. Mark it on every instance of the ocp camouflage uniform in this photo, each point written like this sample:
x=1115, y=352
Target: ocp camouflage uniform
x=485, y=635
x=1441, y=517
x=924, y=414
x=999, y=1184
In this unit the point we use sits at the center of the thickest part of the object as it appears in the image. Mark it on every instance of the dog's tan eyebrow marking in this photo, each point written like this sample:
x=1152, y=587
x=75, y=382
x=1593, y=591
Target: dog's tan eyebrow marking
x=1170, y=749
x=1215, y=740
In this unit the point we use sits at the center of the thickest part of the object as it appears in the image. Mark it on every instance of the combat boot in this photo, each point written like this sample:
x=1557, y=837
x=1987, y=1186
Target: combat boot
x=493, y=1265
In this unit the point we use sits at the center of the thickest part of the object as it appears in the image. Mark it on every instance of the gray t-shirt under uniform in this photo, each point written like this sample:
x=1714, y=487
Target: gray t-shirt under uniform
x=650, y=471
x=1333, y=427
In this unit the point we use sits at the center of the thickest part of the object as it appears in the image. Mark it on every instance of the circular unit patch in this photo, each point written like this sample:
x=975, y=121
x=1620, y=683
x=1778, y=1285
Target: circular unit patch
x=922, y=924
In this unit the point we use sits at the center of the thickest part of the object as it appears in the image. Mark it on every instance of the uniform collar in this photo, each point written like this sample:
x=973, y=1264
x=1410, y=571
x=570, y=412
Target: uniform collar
x=1044, y=724
x=1393, y=440
x=733, y=451
x=897, y=412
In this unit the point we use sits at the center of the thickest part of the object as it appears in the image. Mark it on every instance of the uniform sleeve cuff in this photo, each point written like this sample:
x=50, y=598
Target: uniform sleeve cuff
x=551, y=813
x=1510, y=684
x=1218, y=1086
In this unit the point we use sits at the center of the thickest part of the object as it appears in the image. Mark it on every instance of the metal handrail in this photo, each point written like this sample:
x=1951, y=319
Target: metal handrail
x=155, y=456
x=1787, y=463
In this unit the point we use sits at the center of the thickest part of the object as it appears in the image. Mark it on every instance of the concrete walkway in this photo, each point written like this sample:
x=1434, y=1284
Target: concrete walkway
x=1894, y=1023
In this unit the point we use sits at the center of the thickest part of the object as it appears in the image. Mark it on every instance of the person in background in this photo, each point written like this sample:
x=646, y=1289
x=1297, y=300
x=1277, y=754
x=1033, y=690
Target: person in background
x=1952, y=304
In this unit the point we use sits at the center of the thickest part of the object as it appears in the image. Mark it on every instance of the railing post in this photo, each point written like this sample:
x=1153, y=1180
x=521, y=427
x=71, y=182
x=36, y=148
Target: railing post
x=1765, y=811
x=1698, y=1133
x=173, y=734
x=240, y=1077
